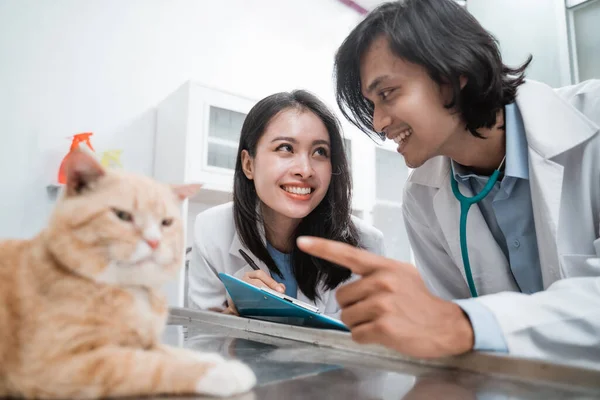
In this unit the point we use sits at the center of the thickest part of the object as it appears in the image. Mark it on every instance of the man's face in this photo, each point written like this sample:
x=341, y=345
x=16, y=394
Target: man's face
x=408, y=105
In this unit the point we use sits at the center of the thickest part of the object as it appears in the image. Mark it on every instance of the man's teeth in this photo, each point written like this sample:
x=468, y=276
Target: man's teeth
x=402, y=136
x=297, y=190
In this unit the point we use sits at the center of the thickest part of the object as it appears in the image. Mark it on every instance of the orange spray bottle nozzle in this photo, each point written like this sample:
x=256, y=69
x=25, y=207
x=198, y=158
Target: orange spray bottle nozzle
x=81, y=138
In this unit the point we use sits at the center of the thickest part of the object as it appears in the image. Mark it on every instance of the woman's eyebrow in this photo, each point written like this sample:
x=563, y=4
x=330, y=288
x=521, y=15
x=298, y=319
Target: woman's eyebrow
x=284, y=138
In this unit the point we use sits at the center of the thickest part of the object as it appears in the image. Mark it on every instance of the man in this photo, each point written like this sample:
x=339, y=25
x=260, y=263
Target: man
x=523, y=277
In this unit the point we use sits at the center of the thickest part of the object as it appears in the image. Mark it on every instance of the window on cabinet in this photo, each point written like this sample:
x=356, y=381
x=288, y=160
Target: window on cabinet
x=585, y=45
x=221, y=155
x=223, y=137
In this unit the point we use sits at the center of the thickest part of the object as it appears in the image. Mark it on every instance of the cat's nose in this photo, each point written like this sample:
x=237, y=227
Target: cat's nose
x=153, y=243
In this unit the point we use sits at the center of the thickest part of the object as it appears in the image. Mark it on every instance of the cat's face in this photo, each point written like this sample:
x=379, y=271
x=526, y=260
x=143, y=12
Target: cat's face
x=118, y=228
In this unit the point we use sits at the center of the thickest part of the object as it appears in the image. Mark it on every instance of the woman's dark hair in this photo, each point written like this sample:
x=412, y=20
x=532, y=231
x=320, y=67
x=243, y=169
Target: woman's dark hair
x=446, y=40
x=330, y=219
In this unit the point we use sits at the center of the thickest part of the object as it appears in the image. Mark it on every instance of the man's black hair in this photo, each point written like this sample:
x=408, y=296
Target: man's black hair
x=446, y=40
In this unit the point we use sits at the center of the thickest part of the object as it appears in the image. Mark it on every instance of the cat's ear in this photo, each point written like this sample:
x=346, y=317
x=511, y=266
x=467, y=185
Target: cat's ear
x=83, y=170
x=185, y=191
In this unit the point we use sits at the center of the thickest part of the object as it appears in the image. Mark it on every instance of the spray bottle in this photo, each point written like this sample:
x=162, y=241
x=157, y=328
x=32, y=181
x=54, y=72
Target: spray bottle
x=80, y=141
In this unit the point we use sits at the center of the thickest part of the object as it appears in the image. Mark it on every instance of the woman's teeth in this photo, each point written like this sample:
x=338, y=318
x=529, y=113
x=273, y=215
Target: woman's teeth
x=403, y=136
x=297, y=190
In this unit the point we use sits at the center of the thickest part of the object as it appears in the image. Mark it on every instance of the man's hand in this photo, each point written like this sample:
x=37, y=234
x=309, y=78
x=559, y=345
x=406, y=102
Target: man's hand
x=391, y=305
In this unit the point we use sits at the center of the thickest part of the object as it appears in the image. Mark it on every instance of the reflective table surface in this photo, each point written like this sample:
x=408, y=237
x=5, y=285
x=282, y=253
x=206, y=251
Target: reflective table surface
x=298, y=369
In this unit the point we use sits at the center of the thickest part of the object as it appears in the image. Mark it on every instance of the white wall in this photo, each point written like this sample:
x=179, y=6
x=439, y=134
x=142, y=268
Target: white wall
x=526, y=27
x=68, y=66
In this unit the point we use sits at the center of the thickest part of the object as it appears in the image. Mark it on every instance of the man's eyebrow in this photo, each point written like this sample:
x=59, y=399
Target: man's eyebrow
x=376, y=83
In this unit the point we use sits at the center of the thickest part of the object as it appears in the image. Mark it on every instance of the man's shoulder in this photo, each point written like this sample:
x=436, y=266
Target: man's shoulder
x=584, y=96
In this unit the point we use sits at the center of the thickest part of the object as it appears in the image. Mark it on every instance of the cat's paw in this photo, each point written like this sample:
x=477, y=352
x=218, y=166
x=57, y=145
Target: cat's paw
x=226, y=379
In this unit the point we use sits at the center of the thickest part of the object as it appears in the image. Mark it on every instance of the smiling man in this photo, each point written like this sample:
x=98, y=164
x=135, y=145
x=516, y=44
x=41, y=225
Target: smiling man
x=516, y=156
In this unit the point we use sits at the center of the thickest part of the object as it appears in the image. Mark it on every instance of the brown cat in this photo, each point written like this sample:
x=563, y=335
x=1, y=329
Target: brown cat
x=81, y=312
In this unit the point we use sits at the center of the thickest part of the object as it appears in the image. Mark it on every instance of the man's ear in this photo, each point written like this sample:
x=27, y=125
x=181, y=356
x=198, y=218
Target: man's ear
x=82, y=171
x=247, y=164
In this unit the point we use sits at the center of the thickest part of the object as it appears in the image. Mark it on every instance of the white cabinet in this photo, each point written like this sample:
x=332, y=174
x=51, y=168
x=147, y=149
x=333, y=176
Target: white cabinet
x=197, y=138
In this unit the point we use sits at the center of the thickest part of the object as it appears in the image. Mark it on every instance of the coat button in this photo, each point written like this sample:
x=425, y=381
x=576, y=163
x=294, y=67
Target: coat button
x=516, y=243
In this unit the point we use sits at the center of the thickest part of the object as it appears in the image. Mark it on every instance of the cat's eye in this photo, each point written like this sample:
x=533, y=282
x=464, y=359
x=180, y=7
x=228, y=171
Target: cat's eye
x=167, y=222
x=123, y=215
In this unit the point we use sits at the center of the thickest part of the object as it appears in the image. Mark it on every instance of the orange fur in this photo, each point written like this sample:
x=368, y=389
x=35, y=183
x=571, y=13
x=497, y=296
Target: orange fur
x=81, y=312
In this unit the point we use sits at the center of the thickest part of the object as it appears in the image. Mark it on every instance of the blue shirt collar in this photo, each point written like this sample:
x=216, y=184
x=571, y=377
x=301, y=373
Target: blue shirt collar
x=517, y=159
x=273, y=252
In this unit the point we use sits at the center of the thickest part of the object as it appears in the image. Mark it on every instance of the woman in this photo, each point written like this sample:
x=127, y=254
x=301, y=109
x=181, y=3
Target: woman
x=291, y=179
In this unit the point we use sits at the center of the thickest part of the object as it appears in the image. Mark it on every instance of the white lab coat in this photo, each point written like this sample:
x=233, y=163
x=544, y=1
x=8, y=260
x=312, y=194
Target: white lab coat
x=215, y=249
x=563, y=321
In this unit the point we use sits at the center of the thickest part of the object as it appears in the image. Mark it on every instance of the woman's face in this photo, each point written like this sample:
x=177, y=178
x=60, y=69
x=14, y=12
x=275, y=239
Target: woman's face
x=291, y=169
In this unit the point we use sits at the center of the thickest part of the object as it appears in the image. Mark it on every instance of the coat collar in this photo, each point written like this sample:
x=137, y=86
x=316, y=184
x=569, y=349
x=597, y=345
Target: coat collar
x=551, y=125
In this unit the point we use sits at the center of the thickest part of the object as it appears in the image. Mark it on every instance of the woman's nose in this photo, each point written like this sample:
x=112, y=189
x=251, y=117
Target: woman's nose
x=302, y=166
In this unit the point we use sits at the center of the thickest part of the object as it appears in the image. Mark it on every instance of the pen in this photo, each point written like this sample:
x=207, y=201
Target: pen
x=249, y=260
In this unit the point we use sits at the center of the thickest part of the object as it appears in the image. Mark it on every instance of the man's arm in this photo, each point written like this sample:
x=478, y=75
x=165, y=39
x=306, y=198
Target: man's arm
x=430, y=256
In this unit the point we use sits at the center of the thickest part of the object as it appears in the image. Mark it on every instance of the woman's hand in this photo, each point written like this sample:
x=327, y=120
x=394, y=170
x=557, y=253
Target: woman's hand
x=260, y=279
x=230, y=310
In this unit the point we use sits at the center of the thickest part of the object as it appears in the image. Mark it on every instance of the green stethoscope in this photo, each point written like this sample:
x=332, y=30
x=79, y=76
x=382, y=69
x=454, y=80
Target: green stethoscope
x=465, y=204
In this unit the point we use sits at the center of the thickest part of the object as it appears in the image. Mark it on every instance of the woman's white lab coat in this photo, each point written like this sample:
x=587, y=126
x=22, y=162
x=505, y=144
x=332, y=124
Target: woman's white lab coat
x=562, y=322
x=216, y=249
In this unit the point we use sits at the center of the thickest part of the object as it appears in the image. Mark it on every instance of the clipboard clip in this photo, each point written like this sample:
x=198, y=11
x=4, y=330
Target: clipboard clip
x=292, y=300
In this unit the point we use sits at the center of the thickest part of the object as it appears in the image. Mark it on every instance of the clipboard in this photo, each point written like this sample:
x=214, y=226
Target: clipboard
x=266, y=304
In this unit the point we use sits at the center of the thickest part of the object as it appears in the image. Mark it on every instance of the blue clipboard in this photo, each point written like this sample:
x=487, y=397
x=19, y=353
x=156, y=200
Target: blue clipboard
x=253, y=302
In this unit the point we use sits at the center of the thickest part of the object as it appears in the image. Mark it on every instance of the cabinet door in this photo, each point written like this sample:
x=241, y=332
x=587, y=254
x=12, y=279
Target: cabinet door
x=214, y=126
x=348, y=151
x=585, y=39
x=224, y=127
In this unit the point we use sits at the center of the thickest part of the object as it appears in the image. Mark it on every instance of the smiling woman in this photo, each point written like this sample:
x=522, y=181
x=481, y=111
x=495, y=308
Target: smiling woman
x=291, y=179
